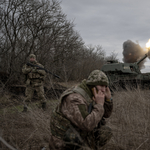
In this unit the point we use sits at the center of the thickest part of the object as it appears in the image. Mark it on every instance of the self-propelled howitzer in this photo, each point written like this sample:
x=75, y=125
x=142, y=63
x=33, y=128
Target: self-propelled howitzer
x=126, y=74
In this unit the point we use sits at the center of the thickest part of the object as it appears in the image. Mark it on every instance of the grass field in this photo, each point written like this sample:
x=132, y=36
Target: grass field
x=130, y=122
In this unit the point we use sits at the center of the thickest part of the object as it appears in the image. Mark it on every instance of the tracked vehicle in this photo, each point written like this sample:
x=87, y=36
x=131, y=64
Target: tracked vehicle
x=122, y=75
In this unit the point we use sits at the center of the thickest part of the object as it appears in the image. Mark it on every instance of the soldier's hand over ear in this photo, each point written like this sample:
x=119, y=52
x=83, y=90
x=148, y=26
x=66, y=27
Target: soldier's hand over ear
x=107, y=93
x=99, y=96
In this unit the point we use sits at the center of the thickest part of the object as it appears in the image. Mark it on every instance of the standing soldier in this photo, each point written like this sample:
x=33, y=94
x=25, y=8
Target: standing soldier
x=34, y=81
x=79, y=119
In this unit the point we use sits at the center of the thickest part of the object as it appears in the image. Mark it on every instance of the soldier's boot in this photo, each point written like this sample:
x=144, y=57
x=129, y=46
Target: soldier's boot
x=44, y=105
x=25, y=109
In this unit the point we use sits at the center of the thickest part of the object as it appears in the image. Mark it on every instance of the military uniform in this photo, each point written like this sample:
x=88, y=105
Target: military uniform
x=34, y=81
x=78, y=121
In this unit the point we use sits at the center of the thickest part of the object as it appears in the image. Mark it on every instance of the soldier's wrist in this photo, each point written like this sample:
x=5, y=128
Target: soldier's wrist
x=109, y=99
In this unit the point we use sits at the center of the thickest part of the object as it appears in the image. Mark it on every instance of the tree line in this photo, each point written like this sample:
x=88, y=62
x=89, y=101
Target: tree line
x=40, y=27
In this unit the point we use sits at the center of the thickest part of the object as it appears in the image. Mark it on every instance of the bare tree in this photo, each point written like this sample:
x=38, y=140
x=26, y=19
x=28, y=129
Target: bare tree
x=40, y=27
x=91, y=58
x=37, y=27
x=113, y=56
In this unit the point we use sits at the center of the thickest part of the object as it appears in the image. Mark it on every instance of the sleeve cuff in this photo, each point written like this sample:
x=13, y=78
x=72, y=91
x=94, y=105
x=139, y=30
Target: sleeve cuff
x=109, y=100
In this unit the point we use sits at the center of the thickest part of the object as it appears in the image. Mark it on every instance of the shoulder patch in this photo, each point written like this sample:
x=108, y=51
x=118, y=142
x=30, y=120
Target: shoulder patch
x=83, y=110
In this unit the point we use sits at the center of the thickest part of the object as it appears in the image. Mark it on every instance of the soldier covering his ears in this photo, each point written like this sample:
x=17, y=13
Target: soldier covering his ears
x=79, y=119
x=34, y=81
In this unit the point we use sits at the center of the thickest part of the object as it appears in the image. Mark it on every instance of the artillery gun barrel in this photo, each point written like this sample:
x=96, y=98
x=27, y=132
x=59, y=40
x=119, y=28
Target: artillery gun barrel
x=142, y=58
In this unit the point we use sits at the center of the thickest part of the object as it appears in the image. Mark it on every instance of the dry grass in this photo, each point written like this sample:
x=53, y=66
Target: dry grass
x=130, y=122
x=68, y=85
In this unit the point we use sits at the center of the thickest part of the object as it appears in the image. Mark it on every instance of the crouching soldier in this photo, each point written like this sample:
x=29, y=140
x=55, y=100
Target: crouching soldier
x=79, y=119
x=34, y=81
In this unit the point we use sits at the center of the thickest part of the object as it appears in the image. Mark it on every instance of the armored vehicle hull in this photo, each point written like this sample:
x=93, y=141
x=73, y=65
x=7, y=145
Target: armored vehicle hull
x=123, y=75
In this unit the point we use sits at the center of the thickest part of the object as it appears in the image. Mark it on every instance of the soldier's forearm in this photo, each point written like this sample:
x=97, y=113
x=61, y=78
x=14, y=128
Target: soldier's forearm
x=92, y=120
x=108, y=107
x=42, y=72
x=87, y=123
x=26, y=70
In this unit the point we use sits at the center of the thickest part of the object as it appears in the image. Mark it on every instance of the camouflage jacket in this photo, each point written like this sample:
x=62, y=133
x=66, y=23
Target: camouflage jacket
x=34, y=75
x=74, y=107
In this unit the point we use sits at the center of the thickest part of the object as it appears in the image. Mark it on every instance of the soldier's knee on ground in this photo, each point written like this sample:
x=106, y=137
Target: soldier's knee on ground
x=72, y=140
x=103, y=135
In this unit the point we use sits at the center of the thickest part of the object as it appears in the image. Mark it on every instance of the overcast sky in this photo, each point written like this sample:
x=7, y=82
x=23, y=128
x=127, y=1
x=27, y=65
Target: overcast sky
x=109, y=23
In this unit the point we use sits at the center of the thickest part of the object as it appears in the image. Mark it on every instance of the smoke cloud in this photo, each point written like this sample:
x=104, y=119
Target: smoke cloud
x=132, y=52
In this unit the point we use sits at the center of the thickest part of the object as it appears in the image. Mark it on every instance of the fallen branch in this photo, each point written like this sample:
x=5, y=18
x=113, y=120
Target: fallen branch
x=5, y=143
x=142, y=143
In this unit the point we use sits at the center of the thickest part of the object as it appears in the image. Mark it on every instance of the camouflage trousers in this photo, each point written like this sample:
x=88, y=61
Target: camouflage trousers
x=65, y=136
x=95, y=140
x=102, y=136
x=30, y=92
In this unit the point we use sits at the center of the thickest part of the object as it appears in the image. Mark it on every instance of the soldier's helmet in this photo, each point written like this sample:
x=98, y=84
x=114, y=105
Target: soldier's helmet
x=32, y=56
x=97, y=77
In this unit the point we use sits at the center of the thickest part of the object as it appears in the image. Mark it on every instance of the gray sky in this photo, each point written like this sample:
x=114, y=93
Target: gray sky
x=109, y=23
